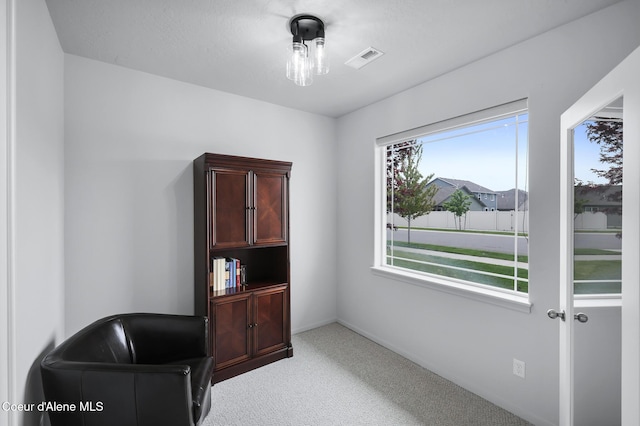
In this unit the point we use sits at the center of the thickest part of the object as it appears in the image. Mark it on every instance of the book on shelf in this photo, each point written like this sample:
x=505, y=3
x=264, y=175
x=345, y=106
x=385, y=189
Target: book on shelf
x=238, y=269
x=225, y=273
x=218, y=272
x=234, y=272
x=230, y=276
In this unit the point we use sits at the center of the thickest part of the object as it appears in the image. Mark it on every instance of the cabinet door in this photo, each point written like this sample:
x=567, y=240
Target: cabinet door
x=270, y=320
x=230, y=330
x=270, y=202
x=230, y=208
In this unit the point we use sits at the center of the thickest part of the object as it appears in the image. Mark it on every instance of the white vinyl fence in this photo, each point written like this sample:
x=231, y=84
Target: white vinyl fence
x=596, y=221
x=493, y=221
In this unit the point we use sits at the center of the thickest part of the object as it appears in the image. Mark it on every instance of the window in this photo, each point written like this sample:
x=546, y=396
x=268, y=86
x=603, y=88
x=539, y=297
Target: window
x=439, y=227
x=597, y=221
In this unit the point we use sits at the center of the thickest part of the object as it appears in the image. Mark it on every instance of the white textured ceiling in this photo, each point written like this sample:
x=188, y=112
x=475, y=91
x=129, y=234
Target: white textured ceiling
x=239, y=46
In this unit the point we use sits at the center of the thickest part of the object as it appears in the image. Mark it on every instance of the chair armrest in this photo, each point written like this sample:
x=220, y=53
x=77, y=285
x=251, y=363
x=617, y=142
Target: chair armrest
x=162, y=338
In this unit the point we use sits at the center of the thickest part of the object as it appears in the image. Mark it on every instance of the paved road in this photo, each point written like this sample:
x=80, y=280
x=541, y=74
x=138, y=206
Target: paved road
x=597, y=240
x=499, y=243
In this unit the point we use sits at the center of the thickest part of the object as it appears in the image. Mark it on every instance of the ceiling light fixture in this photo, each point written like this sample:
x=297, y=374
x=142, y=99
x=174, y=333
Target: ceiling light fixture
x=305, y=61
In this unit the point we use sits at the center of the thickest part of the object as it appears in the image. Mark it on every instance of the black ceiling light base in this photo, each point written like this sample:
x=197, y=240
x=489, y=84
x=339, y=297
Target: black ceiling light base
x=306, y=27
x=308, y=54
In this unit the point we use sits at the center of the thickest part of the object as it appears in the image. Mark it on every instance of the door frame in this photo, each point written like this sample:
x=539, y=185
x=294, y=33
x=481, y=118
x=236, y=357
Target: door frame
x=621, y=81
x=7, y=203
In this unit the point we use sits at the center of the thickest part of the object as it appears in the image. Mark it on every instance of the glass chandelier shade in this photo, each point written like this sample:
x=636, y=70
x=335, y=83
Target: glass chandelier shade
x=320, y=58
x=306, y=60
x=299, y=64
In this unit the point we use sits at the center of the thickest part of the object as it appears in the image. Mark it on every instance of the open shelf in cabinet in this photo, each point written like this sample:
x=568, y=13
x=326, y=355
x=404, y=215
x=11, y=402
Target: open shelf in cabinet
x=264, y=265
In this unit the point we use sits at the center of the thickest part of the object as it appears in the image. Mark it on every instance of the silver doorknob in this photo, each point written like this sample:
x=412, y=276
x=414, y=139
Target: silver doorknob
x=580, y=317
x=553, y=314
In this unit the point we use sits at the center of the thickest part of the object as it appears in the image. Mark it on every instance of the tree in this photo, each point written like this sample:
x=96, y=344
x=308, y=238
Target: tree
x=579, y=189
x=608, y=134
x=397, y=156
x=459, y=204
x=407, y=191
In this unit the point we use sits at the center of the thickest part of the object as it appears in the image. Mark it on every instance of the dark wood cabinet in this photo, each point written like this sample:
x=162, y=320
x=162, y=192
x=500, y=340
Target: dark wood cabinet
x=241, y=211
x=250, y=329
x=270, y=201
x=230, y=208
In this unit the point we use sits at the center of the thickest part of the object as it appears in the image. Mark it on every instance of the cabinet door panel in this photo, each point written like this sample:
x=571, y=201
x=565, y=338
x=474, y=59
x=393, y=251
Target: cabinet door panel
x=270, y=219
x=230, y=330
x=230, y=208
x=270, y=319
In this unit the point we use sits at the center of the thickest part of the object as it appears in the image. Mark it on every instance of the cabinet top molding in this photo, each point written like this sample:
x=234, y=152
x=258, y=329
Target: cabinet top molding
x=232, y=161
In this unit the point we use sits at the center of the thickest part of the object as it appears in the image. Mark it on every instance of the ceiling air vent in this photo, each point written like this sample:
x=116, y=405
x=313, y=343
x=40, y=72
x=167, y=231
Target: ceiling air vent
x=368, y=55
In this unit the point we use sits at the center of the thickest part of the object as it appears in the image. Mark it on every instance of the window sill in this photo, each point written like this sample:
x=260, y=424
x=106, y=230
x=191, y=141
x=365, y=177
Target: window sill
x=485, y=295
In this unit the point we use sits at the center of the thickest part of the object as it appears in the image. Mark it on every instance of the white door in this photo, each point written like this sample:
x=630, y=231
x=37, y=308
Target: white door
x=622, y=82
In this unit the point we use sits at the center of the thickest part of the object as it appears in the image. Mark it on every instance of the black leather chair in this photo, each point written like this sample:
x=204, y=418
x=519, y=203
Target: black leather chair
x=131, y=370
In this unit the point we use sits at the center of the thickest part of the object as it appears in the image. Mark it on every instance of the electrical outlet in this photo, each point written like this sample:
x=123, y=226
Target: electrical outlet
x=518, y=368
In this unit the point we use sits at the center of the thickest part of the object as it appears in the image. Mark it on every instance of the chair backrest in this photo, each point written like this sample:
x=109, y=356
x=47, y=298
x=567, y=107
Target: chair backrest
x=148, y=334
x=102, y=341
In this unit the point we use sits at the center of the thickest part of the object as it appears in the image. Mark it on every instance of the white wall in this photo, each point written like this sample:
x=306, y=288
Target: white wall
x=5, y=118
x=131, y=138
x=33, y=197
x=467, y=341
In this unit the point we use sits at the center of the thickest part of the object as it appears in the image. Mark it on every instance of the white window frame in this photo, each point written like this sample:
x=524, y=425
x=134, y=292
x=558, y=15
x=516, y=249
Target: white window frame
x=496, y=296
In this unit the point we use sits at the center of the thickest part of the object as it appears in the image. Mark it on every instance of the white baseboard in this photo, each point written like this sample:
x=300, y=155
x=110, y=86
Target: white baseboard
x=308, y=327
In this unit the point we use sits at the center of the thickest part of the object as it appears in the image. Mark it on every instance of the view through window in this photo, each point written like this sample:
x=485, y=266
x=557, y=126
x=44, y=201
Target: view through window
x=597, y=145
x=457, y=202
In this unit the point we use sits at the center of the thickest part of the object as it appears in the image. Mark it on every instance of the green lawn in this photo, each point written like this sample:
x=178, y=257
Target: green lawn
x=443, y=266
x=457, y=250
x=595, y=252
x=597, y=270
x=583, y=269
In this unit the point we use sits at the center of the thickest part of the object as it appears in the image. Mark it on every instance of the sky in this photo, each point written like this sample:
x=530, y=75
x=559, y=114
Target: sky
x=485, y=154
x=586, y=156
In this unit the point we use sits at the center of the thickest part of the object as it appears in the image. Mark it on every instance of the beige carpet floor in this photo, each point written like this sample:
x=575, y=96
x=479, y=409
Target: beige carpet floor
x=337, y=377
